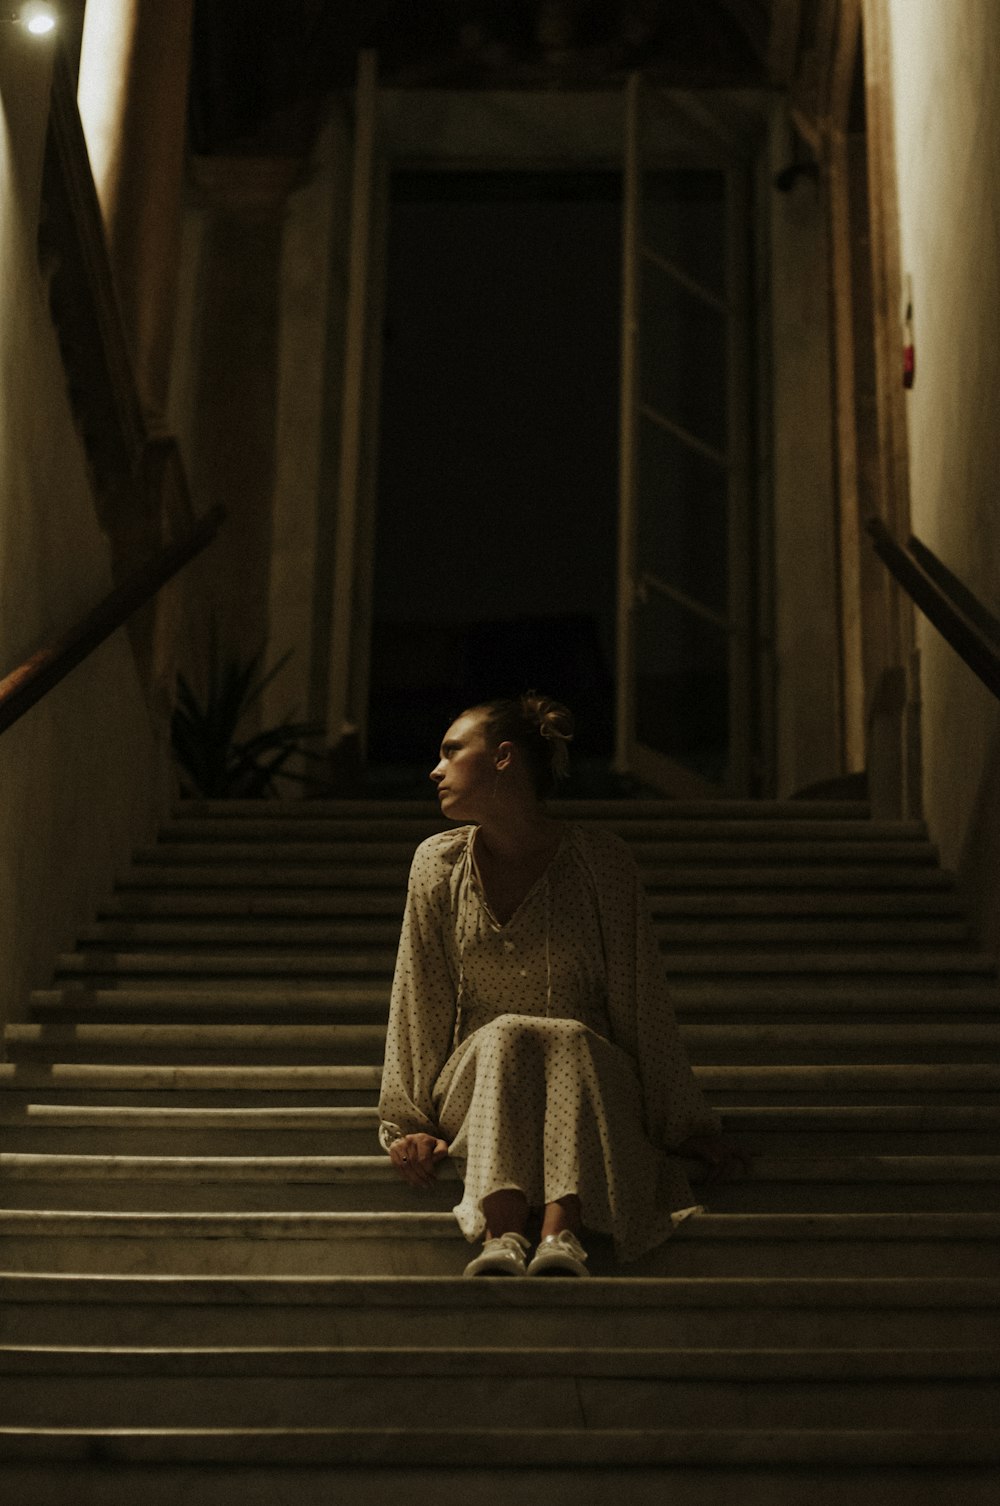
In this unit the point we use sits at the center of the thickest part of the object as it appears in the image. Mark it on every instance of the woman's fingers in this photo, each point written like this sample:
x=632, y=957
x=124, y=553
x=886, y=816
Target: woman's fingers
x=415, y=1158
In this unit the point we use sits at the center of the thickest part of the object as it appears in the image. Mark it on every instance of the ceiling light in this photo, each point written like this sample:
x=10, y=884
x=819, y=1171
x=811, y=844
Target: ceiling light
x=38, y=17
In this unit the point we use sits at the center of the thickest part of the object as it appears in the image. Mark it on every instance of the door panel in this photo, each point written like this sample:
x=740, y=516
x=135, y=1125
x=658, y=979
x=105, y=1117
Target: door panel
x=685, y=722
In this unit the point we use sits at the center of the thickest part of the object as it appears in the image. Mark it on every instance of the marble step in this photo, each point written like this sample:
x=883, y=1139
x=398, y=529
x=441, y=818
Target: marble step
x=704, y=1313
x=509, y=1388
x=735, y=1001
x=874, y=1244
x=781, y=1042
x=379, y=858
x=804, y=1184
x=62, y=1129
x=855, y=932
x=406, y=812
x=375, y=832
x=239, y=1476
x=133, y=904
x=375, y=962
x=259, y=1085
x=506, y=1449
x=88, y=1129
x=373, y=880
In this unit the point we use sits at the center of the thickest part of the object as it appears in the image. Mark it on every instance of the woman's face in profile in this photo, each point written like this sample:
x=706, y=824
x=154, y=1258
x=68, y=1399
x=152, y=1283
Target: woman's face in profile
x=465, y=774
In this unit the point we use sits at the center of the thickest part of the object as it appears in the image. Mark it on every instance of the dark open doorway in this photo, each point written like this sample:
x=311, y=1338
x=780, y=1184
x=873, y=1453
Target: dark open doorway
x=497, y=495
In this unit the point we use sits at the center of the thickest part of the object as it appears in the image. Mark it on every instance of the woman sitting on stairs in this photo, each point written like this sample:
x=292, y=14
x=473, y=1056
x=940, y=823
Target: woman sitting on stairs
x=531, y=1037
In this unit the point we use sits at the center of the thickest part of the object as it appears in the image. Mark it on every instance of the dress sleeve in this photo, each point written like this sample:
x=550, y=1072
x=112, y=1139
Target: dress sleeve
x=642, y=1017
x=422, y=1006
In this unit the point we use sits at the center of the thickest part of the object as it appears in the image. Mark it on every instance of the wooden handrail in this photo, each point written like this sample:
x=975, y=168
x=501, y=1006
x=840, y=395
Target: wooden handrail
x=36, y=676
x=950, y=614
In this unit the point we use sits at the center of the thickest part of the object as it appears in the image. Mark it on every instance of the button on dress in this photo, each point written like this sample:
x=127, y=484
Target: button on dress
x=544, y=1050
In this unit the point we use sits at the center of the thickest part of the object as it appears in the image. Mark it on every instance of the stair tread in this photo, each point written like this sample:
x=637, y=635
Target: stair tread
x=377, y=1168
x=751, y=1364
x=378, y=878
x=786, y=927
x=283, y=960
x=876, y=1118
x=497, y=1447
x=708, y=1227
x=401, y=1292
x=252, y=1076
x=628, y=809
x=648, y=851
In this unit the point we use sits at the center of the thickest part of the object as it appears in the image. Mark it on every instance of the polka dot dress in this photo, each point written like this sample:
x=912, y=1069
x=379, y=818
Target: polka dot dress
x=545, y=1051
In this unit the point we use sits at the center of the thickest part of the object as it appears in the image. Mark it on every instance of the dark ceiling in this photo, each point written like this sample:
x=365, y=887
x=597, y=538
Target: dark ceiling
x=261, y=69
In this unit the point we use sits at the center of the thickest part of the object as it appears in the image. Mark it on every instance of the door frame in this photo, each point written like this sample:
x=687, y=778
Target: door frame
x=386, y=138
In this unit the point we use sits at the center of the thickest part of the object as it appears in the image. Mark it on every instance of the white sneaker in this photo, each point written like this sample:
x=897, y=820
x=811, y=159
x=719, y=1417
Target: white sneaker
x=500, y=1257
x=559, y=1255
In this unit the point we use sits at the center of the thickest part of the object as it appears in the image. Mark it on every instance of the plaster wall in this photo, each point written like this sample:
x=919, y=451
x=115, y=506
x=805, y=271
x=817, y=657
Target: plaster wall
x=83, y=774
x=946, y=61
x=805, y=608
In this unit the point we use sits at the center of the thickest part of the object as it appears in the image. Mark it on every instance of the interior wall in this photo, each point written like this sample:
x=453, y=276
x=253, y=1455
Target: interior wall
x=84, y=773
x=946, y=61
x=808, y=743
x=255, y=401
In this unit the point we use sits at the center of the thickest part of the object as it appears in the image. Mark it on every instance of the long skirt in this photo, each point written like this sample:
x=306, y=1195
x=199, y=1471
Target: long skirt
x=551, y=1108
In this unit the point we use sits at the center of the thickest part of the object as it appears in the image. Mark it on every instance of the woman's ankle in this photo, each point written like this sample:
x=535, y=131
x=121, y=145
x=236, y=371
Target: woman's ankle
x=566, y=1213
x=506, y=1212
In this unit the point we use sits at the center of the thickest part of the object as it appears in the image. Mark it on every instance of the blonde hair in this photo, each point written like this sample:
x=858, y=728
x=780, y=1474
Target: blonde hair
x=539, y=726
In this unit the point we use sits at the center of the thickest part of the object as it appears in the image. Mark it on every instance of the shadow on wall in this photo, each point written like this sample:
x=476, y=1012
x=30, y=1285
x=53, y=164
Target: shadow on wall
x=424, y=674
x=979, y=864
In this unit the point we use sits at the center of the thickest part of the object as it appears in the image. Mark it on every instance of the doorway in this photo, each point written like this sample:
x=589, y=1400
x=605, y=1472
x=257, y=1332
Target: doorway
x=495, y=543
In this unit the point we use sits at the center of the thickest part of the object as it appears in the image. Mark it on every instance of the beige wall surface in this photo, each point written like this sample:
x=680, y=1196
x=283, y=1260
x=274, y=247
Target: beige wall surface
x=946, y=63
x=82, y=775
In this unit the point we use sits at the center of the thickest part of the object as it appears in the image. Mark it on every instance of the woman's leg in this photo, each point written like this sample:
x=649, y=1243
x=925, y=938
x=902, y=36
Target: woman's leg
x=564, y=1214
x=506, y=1212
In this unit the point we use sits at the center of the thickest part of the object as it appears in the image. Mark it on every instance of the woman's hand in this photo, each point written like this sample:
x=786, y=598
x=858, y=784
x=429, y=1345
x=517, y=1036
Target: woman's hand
x=415, y=1157
x=723, y=1158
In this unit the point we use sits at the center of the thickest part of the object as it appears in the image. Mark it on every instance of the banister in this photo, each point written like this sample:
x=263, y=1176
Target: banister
x=957, y=615
x=26, y=685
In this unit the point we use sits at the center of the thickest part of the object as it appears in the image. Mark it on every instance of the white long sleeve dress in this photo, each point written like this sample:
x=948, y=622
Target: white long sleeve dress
x=545, y=1050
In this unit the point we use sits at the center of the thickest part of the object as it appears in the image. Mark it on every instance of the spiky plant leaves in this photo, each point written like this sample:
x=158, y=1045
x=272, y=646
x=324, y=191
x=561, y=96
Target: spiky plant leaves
x=215, y=763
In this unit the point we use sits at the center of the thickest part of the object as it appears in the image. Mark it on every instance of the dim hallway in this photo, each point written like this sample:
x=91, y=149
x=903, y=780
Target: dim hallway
x=207, y=1261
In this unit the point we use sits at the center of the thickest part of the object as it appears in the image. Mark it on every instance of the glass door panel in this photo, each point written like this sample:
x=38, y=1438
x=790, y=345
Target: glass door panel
x=683, y=567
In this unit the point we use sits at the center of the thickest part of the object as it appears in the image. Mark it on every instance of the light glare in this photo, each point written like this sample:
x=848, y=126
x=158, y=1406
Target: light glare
x=38, y=18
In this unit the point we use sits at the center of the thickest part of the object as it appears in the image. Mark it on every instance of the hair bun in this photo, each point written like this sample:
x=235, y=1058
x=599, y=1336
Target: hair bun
x=555, y=723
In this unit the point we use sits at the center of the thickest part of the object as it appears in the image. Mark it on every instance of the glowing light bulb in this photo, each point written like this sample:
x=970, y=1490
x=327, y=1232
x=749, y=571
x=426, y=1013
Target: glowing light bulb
x=38, y=18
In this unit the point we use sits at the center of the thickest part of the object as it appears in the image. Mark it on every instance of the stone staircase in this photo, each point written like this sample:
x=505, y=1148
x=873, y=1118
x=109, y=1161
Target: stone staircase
x=213, y=1290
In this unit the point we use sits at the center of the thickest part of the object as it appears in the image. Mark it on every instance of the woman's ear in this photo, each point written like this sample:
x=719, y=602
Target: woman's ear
x=504, y=756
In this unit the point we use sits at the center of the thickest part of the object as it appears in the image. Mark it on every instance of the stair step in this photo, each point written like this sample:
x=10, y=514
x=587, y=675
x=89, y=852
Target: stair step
x=778, y=1042
x=379, y=961
x=362, y=1183
x=737, y=1001
x=89, y=1129
x=373, y=833
x=370, y=812
x=137, y=903
x=503, y=1449
x=642, y=1312
x=518, y=1388
x=923, y=1083
x=407, y=1243
x=305, y=933
x=381, y=858
x=378, y=879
